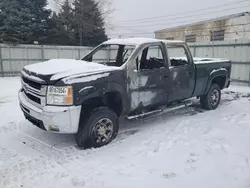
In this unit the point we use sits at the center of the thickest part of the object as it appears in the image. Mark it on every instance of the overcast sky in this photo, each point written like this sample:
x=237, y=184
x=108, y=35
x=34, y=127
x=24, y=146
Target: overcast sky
x=143, y=17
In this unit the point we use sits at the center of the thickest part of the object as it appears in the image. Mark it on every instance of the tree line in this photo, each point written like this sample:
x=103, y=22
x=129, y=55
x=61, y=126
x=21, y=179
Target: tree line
x=30, y=21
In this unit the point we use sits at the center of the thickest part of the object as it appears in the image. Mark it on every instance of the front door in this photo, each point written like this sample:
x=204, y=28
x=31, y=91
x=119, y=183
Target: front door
x=182, y=72
x=149, y=79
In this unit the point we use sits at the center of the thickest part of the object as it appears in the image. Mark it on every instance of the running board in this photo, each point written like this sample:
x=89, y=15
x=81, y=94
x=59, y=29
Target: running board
x=144, y=114
x=163, y=110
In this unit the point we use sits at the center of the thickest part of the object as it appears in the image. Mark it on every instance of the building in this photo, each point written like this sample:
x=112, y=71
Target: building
x=232, y=27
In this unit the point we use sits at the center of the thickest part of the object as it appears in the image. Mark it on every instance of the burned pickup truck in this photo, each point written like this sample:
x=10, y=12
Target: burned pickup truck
x=120, y=77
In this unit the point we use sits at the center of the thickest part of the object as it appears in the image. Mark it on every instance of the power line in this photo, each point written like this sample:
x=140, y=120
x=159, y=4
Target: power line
x=176, y=14
x=210, y=28
x=173, y=19
x=193, y=15
x=183, y=33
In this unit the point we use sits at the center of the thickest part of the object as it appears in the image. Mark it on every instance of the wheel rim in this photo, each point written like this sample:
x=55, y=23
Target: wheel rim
x=102, y=131
x=215, y=97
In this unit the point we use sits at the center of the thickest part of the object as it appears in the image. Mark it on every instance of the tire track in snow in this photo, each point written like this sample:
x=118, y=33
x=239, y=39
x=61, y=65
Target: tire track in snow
x=30, y=171
x=44, y=166
x=51, y=158
x=7, y=154
x=27, y=170
x=13, y=126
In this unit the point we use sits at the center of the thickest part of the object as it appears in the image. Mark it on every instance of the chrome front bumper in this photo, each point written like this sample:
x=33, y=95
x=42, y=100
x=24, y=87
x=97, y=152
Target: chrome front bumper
x=51, y=118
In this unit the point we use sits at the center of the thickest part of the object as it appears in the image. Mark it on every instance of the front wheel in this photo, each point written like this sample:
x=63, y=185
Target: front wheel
x=98, y=130
x=211, y=100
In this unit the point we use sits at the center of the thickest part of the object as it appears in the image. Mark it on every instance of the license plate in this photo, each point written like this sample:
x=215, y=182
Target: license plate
x=58, y=90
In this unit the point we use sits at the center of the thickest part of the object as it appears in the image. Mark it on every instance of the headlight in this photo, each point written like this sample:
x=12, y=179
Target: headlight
x=59, y=95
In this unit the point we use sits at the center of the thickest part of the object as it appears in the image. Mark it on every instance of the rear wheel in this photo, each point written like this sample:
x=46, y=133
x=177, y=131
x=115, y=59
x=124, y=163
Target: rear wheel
x=98, y=130
x=211, y=100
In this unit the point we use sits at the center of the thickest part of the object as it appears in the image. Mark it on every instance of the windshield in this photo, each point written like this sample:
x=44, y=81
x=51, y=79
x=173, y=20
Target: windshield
x=111, y=54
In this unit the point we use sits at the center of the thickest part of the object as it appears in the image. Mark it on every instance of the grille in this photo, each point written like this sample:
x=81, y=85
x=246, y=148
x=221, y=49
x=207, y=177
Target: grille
x=31, y=83
x=33, y=98
x=34, y=91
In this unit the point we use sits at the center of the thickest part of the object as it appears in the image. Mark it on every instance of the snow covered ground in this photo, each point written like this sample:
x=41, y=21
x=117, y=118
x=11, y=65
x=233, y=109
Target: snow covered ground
x=185, y=148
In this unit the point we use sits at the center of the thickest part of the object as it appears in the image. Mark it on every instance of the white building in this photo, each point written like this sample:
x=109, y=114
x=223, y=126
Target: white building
x=232, y=27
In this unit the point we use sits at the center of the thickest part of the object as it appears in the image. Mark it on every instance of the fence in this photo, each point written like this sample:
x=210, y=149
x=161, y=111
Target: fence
x=237, y=51
x=13, y=58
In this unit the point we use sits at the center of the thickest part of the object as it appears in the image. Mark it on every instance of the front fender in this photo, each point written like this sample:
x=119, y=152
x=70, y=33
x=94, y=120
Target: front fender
x=215, y=73
x=91, y=92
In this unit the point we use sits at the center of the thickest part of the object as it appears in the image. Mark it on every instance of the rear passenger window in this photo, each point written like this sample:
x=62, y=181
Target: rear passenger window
x=177, y=55
x=151, y=58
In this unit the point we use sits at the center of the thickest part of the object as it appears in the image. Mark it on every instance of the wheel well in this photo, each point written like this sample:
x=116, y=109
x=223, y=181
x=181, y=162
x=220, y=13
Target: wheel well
x=220, y=80
x=112, y=100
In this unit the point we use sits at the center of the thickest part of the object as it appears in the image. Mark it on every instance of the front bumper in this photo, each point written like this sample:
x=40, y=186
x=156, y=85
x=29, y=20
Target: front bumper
x=51, y=118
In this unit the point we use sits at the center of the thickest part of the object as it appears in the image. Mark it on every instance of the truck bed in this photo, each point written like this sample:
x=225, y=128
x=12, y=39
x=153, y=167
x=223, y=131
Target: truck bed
x=201, y=60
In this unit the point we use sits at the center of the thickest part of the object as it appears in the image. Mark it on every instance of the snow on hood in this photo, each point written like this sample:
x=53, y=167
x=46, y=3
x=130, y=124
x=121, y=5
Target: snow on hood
x=61, y=68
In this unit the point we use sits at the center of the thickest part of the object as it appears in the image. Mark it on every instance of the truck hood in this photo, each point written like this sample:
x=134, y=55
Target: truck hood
x=56, y=69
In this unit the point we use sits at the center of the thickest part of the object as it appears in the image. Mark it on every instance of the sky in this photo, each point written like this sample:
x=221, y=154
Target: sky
x=140, y=18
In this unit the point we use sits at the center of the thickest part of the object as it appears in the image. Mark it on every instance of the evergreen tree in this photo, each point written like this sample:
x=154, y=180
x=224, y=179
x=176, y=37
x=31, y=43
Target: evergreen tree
x=65, y=25
x=90, y=23
x=24, y=21
x=15, y=21
x=41, y=19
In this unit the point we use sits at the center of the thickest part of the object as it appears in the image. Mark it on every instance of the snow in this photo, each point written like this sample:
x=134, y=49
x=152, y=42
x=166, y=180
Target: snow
x=138, y=41
x=188, y=147
x=204, y=59
x=217, y=70
x=86, y=88
x=66, y=67
x=87, y=78
x=31, y=77
x=201, y=60
x=239, y=89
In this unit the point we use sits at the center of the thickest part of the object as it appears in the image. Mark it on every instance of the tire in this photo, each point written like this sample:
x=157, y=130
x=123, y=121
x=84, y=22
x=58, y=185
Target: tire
x=211, y=100
x=99, y=129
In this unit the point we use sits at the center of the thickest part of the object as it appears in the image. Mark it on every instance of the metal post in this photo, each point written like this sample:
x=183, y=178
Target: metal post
x=213, y=44
x=42, y=52
x=194, y=50
x=10, y=60
x=79, y=53
x=58, y=53
x=109, y=53
x=249, y=79
x=27, y=56
x=213, y=49
x=1, y=62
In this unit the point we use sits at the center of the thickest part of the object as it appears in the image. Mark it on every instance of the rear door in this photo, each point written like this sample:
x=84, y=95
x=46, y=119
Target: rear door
x=182, y=72
x=149, y=78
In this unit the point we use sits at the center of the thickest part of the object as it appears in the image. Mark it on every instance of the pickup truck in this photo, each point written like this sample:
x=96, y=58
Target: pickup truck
x=120, y=77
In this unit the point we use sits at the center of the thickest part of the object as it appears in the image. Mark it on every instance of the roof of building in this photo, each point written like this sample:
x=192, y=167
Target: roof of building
x=138, y=41
x=206, y=21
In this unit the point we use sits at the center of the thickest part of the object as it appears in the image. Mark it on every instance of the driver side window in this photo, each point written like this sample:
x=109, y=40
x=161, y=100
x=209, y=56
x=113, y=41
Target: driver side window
x=150, y=58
